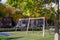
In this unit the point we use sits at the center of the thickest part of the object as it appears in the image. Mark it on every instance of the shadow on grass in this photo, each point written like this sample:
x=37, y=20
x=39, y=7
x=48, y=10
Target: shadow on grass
x=14, y=38
x=10, y=38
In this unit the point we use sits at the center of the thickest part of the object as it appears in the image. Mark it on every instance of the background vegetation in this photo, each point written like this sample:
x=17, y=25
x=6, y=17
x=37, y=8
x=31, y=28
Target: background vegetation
x=28, y=8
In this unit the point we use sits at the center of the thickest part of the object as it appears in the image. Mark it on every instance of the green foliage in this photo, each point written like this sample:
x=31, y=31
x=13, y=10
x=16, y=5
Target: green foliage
x=0, y=0
x=2, y=10
x=2, y=14
x=33, y=8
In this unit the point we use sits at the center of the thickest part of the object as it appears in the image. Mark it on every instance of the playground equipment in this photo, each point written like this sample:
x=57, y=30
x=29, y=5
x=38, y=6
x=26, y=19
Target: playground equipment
x=30, y=23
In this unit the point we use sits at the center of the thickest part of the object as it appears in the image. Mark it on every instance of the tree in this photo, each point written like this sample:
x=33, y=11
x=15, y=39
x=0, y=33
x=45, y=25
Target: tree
x=33, y=8
x=56, y=37
x=2, y=10
x=0, y=0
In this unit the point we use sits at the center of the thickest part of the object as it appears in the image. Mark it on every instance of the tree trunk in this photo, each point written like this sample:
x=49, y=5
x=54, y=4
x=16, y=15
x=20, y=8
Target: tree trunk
x=56, y=36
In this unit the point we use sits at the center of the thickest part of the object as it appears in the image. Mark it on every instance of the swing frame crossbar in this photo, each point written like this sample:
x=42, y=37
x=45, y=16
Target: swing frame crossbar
x=34, y=19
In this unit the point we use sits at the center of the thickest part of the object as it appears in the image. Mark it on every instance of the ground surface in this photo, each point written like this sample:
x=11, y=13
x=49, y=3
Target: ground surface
x=31, y=35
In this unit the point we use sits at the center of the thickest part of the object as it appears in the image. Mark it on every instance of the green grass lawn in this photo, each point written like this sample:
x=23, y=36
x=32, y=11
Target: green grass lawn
x=31, y=35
